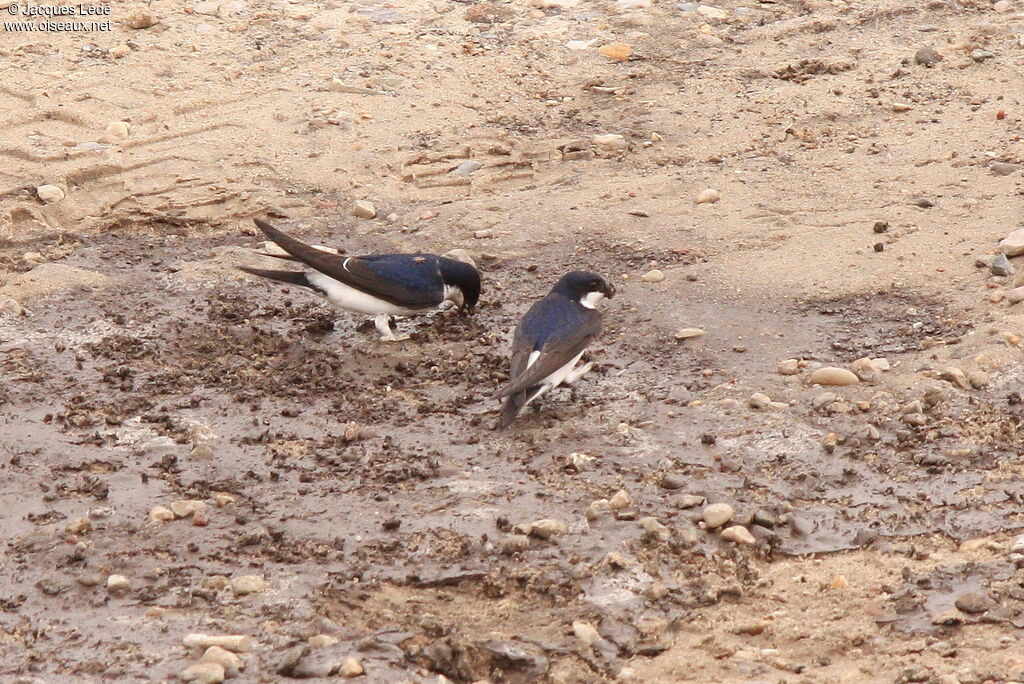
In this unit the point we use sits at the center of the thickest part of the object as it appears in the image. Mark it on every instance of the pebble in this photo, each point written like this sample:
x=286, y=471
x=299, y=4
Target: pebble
x=322, y=640
x=619, y=500
x=978, y=378
x=653, y=276
x=717, y=514
x=119, y=51
x=205, y=673
x=916, y=419
x=688, y=501
x=11, y=306
x=788, y=367
x=187, y=507
x=350, y=667
x=236, y=643
x=586, y=632
x=1012, y=245
x=956, y=376
x=980, y=55
x=617, y=52
x=49, y=193
x=548, y=528
x=466, y=168
x=118, y=129
x=688, y=333
x=654, y=527
x=598, y=509
x=822, y=400
x=364, y=209
x=759, y=400
x=708, y=196
x=998, y=168
x=1003, y=6
x=140, y=20
x=117, y=584
x=831, y=375
x=610, y=141
x=974, y=602
x=927, y=56
x=514, y=543
x=461, y=255
x=738, y=534
x=1001, y=266
x=900, y=107
x=482, y=234
x=78, y=525
x=248, y=584
x=1017, y=545
x=223, y=657
x=673, y=481
x=712, y=12
x=1015, y=296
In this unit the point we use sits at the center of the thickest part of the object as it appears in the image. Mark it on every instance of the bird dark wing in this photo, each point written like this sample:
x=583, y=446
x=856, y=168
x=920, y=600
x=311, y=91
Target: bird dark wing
x=555, y=352
x=407, y=280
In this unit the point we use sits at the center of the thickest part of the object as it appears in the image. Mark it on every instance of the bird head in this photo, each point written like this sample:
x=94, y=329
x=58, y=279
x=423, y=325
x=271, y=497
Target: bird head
x=585, y=287
x=462, y=284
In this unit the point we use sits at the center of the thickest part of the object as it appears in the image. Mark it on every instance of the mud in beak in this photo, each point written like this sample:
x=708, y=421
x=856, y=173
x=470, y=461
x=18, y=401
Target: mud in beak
x=609, y=290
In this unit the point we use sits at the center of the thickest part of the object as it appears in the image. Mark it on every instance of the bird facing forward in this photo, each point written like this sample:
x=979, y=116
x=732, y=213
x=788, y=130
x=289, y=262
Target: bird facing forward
x=378, y=285
x=550, y=340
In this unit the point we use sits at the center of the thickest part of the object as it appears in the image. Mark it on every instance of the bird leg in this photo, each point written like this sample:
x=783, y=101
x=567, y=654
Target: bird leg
x=387, y=334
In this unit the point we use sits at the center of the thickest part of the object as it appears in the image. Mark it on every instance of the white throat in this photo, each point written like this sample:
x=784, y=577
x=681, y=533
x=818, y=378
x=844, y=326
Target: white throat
x=591, y=299
x=454, y=294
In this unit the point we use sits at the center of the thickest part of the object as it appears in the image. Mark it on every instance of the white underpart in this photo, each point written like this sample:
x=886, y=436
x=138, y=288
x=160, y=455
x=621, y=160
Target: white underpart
x=349, y=298
x=591, y=299
x=271, y=247
x=564, y=374
x=454, y=295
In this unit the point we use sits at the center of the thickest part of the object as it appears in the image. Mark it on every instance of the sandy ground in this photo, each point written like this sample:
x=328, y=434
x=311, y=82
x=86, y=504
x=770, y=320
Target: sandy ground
x=381, y=530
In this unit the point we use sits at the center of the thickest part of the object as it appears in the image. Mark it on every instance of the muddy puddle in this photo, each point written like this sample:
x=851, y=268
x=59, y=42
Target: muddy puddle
x=364, y=483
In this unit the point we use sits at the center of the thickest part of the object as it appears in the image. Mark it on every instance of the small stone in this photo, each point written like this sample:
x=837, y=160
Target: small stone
x=839, y=582
x=974, y=602
x=364, y=209
x=999, y=168
x=586, y=632
x=1017, y=544
x=236, y=643
x=611, y=142
x=1015, y=296
x=117, y=584
x=654, y=527
x=204, y=673
x=481, y=234
x=976, y=544
x=119, y=51
x=1001, y=266
x=514, y=543
x=11, y=306
x=956, y=376
x=78, y=525
x=1003, y=6
x=712, y=12
x=186, y=507
x=617, y=52
x=619, y=500
x=321, y=640
x=466, y=168
x=688, y=501
x=201, y=452
x=49, y=193
x=461, y=255
x=206, y=7
x=823, y=400
x=738, y=534
x=248, y=584
x=673, y=481
x=580, y=461
x=915, y=419
x=788, y=367
x=979, y=379
x=881, y=227
x=1013, y=244
x=548, y=528
x=979, y=55
x=708, y=196
x=140, y=20
x=927, y=56
x=231, y=663
x=831, y=375
x=350, y=667
x=900, y=107
x=688, y=333
x=488, y=13
x=118, y=130
x=717, y=514
x=598, y=509
x=759, y=400
x=653, y=276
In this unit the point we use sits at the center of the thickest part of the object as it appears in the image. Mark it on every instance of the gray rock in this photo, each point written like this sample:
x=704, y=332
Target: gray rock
x=1001, y=266
x=998, y=168
x=974, y=602
x=927, y=56
x=980, y=55
x=673, y=481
